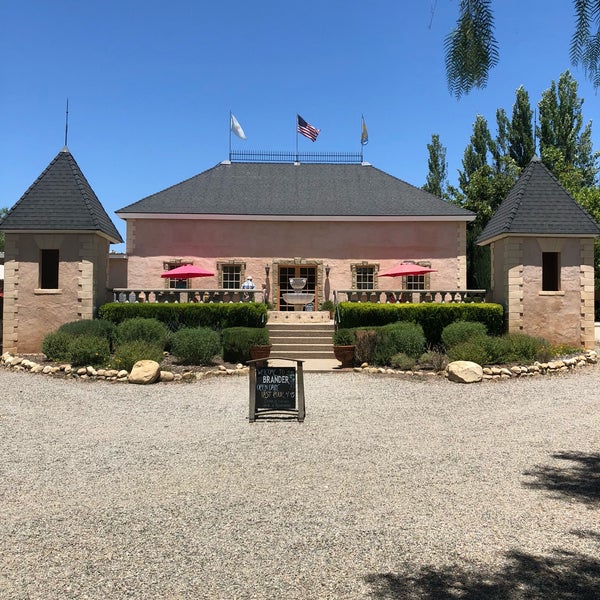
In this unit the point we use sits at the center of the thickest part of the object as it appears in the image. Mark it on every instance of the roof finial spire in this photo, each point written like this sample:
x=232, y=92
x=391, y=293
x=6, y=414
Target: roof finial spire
x=67, y=123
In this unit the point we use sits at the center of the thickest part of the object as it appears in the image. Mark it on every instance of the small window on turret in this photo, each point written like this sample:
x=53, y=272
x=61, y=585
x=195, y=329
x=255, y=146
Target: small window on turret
x=550, y=271
x=49, y=269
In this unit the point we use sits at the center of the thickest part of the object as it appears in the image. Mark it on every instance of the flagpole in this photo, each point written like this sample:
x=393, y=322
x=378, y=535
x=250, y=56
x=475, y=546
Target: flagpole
x=229, y=136
x=362, y=118
x=297, y=158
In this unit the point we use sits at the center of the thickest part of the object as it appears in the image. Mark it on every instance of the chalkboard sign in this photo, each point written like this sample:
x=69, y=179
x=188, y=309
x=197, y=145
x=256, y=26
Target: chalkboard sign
x=276, y=392
x=276, y=388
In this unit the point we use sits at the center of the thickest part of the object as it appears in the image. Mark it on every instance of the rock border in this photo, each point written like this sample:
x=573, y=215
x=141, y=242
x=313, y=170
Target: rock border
x=19, y=363
x=563, y=365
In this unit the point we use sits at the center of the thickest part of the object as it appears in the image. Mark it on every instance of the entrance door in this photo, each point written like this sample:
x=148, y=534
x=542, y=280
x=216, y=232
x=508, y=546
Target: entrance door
x=287, y=272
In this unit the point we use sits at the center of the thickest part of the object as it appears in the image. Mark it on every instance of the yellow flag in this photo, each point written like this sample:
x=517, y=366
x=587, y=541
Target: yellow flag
x=364, y=137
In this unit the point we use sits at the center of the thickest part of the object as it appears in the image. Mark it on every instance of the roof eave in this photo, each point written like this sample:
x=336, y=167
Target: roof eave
x=112, y=239
x=495, y=238
x=271, y=217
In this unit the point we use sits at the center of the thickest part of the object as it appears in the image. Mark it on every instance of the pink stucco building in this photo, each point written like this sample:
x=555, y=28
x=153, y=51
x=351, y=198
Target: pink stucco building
x=337, y=225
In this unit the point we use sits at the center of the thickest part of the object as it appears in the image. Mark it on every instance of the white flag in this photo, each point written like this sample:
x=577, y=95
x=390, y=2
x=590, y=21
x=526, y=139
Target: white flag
x=237, y=128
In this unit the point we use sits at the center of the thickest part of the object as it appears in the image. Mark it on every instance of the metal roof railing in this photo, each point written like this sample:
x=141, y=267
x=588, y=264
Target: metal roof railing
x=267, y=156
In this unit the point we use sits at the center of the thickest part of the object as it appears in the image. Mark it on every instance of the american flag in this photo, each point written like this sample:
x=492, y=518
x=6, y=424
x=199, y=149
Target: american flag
x=307, y=130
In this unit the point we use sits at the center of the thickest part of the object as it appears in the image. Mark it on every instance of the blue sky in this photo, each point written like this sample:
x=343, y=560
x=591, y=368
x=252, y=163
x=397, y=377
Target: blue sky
x=150, y=84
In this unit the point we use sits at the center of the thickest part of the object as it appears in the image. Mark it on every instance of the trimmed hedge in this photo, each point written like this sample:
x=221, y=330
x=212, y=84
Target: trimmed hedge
x=177, y=316
x=238, y=340
x=433, y=317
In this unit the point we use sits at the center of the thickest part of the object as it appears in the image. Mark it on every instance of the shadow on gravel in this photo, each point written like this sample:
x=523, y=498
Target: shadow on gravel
x=578, y=478
x=562, y=576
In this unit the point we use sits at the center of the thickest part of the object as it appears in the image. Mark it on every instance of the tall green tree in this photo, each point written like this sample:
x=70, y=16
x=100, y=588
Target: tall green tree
x=560, y=128
x=437, y=177
x=482, y=187
x=520, y=131
x=472, y=50
x=476, y=153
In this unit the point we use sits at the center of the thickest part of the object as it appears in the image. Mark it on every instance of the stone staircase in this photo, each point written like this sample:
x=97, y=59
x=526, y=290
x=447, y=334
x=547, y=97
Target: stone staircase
x=302, y=335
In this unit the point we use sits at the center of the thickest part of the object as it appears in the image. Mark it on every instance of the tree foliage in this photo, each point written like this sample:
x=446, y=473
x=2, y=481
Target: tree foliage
x=437, y=177
x=563, y=139
x=472, y=51
x=585, y=43
x=3, y=213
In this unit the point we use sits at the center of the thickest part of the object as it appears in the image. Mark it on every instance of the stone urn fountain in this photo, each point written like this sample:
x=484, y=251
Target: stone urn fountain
x=298, y=299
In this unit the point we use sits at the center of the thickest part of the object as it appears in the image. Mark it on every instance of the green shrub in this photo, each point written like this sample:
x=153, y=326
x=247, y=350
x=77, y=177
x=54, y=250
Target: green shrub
x=473, y=350
x=462, y=331
x=497, y=349
x=87, y=350
x=55, y=345
x=196, y=346
x=523, y=348
x=407, y=338
x=141, y=329
x=127, y=354
x=402, y=361
x=237, y=342
x=94, y=327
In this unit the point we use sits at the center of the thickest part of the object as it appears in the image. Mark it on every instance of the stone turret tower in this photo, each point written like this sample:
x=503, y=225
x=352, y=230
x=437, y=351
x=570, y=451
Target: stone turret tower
x=542, y=247
x=57, y=239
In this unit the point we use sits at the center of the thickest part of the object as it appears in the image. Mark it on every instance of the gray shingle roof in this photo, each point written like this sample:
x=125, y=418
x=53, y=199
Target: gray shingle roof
x=537, y=204
x=60, y=199
x=282, y=189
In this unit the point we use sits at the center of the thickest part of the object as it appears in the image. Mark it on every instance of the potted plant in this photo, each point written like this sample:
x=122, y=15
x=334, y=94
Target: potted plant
x=260, y=347
x=343, y=346
x=328, y=306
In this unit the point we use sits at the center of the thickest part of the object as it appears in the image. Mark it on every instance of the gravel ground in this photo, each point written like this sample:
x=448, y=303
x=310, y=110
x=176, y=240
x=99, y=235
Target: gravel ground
x=391, y=488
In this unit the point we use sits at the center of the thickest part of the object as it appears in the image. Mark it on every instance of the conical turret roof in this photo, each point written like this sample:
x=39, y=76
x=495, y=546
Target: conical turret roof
x=538, y=205
x=60, y=199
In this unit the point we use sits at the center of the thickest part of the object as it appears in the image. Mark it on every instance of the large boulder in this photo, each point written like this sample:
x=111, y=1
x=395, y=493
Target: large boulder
x=144, y=371
x=464, y=371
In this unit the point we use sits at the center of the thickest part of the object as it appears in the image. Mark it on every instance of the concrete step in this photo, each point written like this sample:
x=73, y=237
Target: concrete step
x=303, y=339
x=290, y=345
x=300, y=326
x=316, y=354
x=300, y=338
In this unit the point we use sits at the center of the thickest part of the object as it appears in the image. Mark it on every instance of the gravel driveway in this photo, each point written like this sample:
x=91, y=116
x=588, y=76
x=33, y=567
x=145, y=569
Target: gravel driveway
x=391, y=488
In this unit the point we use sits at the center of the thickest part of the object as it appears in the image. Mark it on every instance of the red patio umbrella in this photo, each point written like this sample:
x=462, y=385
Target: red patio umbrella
x=186, y=272
x=402, y=269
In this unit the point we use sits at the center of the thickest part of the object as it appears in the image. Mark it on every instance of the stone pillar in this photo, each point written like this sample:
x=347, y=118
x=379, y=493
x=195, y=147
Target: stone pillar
x=588, y=339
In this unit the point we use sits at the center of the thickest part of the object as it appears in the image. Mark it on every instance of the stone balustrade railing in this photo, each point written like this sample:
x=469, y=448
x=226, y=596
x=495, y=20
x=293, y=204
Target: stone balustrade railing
x=186, y=295
x=413, y=296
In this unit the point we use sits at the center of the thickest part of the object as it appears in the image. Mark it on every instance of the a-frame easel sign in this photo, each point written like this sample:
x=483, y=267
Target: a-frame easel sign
x=276, y=392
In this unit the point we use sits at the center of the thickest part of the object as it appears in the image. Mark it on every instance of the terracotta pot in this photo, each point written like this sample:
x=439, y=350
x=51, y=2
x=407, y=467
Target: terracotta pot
x=260, y=352
x=345, y=354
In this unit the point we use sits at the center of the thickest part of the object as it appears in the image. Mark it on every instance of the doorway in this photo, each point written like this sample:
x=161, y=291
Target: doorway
x=287, y=272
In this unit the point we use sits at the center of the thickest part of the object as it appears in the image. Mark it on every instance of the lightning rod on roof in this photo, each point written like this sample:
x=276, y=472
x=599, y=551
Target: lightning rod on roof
x=67, y=123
